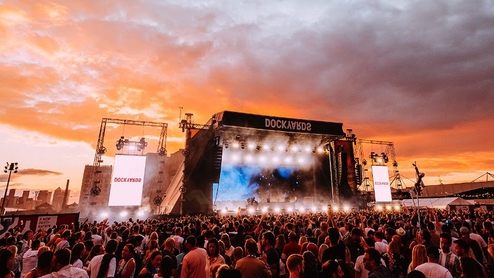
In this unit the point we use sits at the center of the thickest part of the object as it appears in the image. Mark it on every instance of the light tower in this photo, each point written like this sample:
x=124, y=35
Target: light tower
x=10, y=167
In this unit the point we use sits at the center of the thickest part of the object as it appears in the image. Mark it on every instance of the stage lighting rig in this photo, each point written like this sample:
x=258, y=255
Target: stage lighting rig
x=120, y=143
x=139, y=145
x=142, y=144
x=385, y=157
x=379, y=158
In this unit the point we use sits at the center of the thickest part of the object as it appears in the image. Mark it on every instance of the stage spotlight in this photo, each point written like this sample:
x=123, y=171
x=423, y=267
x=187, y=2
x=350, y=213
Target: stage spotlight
x=301, y=160
x=314, y=209
x=224, y=211
x=235, y=158
x=397, y=207
x=251, y=146
x=249, y=158
x=320, y=150
x=276, y=159
x=379, y=208
x=301, y=209
x=294, y=148
x=120, y=143
x=104, y=214
x=140, y=213
x=262, y=159
x=280, y=148
x=251, y=210
x=264, y=209
x=335, y=208
x=307, y=149
x=388, y=207
x=124, y=213
x=290, y=209
x=385, y=157
x=277, y=210
x=346, y=208
x=324, y=208
x=288, y=159
x=235, y=145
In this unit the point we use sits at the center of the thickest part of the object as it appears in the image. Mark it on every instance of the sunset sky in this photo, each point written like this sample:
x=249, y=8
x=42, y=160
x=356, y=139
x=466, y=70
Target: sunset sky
x=417, y=73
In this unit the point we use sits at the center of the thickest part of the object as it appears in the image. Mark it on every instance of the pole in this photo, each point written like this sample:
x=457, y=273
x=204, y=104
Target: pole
x=331, y=174
x=65, y=196
x=5, y=193
x=418, y=215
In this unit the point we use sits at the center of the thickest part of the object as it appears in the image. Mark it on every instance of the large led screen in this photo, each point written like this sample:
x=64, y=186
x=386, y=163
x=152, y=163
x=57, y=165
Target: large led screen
x=127, y=180
x=271, y=177
x=382, y=188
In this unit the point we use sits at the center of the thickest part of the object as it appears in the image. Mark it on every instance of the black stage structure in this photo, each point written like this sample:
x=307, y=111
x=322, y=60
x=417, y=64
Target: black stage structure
x=238, y=160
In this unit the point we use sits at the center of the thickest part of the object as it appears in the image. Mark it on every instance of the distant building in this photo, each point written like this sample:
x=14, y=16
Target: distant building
x=44, y=196
x=58, y=199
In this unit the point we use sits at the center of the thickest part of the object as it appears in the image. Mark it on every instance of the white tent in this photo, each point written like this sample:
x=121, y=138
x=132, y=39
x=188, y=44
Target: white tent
x=439, y=203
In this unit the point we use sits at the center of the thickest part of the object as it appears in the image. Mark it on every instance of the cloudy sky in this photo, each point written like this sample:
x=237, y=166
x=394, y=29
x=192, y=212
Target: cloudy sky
x=417, y=73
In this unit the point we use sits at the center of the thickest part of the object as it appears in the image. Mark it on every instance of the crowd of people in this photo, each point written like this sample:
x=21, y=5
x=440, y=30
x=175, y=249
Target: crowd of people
x=361, y=244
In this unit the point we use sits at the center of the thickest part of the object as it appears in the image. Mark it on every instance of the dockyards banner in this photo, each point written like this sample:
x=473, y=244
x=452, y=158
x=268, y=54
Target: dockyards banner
x=230, y=118
x=34, y=223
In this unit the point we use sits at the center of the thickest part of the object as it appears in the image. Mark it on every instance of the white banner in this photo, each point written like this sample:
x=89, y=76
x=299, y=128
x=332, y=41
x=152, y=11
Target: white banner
x=127, y=181
x=46, y=222
x=382, y=188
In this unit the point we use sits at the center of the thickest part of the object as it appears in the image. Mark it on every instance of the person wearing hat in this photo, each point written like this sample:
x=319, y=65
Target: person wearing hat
x=432, y=268
x=401, y=232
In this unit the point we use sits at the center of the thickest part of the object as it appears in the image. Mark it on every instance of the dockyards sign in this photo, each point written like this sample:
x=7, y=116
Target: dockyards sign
x=228, y=118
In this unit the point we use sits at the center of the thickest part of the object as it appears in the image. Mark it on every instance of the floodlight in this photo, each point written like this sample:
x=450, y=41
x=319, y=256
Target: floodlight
x=248, y=158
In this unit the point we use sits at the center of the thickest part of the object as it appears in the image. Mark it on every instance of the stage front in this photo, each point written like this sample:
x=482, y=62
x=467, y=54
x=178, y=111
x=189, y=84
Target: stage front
x=241, y=160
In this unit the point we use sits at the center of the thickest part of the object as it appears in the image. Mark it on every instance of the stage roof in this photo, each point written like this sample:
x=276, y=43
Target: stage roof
x=237, y=119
